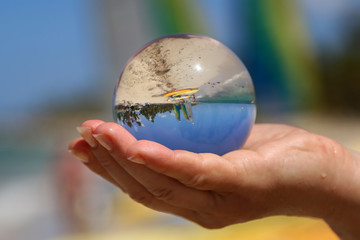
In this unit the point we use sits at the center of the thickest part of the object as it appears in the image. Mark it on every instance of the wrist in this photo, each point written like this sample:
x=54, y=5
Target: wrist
x=345, y=217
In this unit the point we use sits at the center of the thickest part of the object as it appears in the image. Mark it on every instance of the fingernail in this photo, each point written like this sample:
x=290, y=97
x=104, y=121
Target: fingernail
x=136, y=159
x=80, y=155
x=86, y=132
x=104, y=141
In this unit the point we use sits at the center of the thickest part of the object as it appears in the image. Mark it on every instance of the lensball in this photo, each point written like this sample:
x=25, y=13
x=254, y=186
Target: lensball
x=186, y=92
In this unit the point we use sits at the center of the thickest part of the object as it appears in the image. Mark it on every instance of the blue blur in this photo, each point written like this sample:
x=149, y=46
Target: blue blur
x=217, y=128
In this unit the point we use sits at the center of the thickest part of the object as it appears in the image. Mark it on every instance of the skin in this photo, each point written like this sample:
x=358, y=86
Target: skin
x=281, y=170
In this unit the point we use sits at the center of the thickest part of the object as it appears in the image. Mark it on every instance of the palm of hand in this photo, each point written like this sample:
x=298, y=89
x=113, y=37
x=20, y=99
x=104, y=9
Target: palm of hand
x=276, y=163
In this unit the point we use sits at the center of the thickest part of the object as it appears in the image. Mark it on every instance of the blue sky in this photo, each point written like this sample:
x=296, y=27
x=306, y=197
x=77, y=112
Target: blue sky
x=47, y=51
x=52, y=50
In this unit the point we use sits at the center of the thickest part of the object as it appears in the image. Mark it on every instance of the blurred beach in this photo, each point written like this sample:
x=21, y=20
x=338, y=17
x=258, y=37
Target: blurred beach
x=60, y=61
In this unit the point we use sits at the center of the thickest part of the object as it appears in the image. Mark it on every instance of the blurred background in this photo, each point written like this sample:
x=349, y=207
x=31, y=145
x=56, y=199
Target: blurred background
x=59, y=62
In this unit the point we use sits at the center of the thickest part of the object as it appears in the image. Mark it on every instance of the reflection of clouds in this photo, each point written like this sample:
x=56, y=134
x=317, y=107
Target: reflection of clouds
x=235, y=77
x=238, y=84
x=162, y=115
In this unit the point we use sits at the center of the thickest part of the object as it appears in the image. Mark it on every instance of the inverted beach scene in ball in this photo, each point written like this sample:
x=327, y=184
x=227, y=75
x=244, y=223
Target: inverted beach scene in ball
x=186, y=92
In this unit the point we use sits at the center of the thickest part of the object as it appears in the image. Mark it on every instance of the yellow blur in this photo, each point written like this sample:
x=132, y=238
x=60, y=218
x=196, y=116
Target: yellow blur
x=138, y=222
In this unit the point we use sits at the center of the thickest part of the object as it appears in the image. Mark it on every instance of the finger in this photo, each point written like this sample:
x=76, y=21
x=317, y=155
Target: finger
x=102, y=160
x=135, y=190
x=159, y=185
x=92, y=123
x=201, y=171
x=86, y=129
x=139, y=194
x=80, y=149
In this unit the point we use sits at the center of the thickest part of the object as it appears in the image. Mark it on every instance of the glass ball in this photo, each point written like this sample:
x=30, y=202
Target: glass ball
x=187, y=92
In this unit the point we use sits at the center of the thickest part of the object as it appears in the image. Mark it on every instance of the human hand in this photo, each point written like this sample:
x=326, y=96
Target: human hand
x=280, y=170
